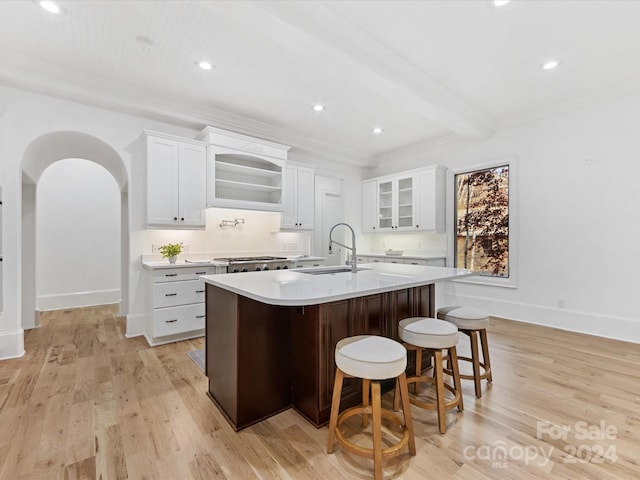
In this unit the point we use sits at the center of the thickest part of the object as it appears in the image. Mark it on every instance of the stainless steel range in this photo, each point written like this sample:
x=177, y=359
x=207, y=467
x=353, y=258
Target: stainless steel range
x=255, y=264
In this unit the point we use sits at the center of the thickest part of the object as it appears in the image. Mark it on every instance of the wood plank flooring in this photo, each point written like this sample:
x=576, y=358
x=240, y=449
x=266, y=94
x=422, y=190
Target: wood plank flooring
x=87, y=403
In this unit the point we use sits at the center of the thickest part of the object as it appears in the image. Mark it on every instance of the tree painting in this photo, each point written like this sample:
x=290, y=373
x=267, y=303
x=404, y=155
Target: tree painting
x=482, y=221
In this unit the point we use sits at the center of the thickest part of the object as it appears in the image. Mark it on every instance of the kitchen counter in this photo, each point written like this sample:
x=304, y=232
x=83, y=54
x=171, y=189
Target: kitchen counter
x=409, y=256
x=271, y=336
x=153, y=265
x=296, y=288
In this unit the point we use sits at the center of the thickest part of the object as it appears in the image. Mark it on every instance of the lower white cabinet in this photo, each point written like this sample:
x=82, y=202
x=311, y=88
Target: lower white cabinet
x=177, y=303
x=175, y=320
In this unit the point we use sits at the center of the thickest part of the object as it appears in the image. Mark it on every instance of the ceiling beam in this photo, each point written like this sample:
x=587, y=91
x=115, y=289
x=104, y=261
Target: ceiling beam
x=411, y=85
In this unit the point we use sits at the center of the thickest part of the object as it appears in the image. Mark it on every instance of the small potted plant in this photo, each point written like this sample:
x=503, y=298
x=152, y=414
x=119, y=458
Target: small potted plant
x=170, y=251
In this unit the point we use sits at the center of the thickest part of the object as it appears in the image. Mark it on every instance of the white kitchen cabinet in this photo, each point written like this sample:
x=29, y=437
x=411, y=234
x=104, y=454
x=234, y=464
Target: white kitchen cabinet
x=430, y=199
x=396, y=203
x=243, y=172
x=176, y=303
x=298, y=204
x=369, y=206
x=176, y=181
x=411, y=201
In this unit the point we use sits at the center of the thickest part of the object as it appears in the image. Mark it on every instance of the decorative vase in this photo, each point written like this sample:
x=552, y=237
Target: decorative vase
x=173, y=259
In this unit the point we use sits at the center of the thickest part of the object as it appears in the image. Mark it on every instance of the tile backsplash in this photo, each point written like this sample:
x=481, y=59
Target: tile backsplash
x=258, y=235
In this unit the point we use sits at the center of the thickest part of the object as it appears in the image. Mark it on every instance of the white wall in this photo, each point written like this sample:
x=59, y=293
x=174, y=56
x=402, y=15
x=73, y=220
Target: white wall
x=578, y=197
x=77, y=236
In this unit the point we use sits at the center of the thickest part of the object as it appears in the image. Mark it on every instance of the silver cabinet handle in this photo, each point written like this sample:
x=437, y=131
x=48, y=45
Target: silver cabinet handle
x=200, y=316
x=171, y=321
x=170, y=274
x=201, y=273
x=199, y=291
x=170, y=294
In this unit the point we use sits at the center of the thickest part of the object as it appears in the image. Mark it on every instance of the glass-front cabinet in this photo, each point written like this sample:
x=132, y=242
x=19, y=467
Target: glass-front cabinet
x=409, y=201
x=396, y=204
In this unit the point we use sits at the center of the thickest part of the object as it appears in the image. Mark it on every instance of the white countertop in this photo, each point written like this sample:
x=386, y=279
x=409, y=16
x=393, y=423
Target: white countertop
x=296, y=288
x=152, y=265
x=404, y=255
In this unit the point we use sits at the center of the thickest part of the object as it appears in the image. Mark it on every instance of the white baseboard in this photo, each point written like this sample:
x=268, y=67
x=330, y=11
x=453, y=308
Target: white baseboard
x=11, y=344
x=135, y=325
x=608, y=326
x=80, y=299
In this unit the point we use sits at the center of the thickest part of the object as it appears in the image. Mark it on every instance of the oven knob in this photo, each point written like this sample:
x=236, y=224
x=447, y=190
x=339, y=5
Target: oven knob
x=245, y=270
x=278, y=267
x=266, y=268
x=235, y=270
x=258, y=269
x=286, y=267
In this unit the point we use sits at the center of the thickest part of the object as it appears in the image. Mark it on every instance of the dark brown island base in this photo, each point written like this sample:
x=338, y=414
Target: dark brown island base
x=263, y=358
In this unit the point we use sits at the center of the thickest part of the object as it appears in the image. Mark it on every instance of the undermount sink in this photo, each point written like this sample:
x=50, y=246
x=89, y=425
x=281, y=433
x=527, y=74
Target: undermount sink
x=331, y=271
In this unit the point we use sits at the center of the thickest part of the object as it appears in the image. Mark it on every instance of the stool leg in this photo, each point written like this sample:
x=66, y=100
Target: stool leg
x=453, y=365
x=485, y=354
x=439, y=380
x=416, y=385
x=401, y=384
x=396, y=396
x=475, y=360
x=377, y=430
x=335, y=407
x=365, y=400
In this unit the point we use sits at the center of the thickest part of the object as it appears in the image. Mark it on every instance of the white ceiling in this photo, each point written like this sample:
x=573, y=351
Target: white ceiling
x=425, y=71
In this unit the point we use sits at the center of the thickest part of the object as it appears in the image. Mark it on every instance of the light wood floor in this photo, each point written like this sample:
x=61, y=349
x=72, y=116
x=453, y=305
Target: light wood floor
x=86, y=402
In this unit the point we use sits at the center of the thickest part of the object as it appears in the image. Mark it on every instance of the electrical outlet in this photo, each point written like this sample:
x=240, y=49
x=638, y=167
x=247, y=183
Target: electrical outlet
x=155, y=248
x=561, y=303
x=185, y=248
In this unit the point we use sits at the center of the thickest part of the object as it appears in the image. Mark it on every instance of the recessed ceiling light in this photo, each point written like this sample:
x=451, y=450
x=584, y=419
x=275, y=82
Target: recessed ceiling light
x=551, y=64
x=499, y=3
x=318, y=108
x=51, y=7
x=205, y=65
x=376, y=130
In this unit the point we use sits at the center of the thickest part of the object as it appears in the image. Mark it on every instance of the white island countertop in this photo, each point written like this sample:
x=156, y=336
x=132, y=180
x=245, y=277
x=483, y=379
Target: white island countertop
x=297, y=288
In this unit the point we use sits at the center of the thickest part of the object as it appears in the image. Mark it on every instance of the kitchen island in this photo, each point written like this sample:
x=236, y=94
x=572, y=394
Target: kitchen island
x=270, y=336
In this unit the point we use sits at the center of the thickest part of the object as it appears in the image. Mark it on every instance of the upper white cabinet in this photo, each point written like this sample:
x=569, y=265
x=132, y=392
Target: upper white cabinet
x=176, y=181
x=243, y=172
x=410, y=201
x=298, y=204
x=430, y=199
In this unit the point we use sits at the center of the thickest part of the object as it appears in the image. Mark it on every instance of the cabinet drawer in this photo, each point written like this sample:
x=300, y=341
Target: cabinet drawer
x=173, y=320
x=181, y=274
x=414, y=261
x=171, y=294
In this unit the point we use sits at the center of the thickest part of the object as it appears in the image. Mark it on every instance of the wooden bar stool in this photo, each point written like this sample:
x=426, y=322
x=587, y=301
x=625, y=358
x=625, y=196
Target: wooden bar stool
x=472, y=322
x=372, y=359
x=420, y=333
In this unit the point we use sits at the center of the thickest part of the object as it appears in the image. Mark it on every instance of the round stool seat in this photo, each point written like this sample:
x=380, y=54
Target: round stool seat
x=371, y=357
x=465, y=318
x=428, y=332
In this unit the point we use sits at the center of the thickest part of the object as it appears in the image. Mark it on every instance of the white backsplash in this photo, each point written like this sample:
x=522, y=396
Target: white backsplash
x=410, y=243
x=258, y=235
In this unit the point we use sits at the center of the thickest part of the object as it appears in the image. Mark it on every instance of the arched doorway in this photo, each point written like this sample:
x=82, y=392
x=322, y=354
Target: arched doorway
x=41, y=153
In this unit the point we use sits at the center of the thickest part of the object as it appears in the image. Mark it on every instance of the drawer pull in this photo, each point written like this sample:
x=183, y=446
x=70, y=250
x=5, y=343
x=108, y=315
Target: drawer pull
x=199, y=316
x=171, y=321
x=170, y=294
x=170, y=274
x=199, y=291
x=201, y=273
